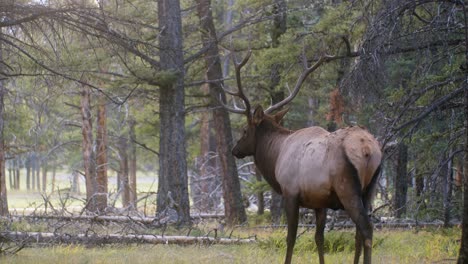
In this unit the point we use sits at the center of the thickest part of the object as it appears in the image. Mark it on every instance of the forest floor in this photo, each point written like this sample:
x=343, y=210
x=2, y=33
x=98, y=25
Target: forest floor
x=390, y=246
x=422, y=245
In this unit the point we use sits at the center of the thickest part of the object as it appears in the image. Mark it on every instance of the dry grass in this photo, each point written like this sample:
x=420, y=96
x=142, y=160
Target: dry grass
x=427, y=246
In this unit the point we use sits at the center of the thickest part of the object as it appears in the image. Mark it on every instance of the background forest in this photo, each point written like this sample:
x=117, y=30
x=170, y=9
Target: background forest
x=116, y=107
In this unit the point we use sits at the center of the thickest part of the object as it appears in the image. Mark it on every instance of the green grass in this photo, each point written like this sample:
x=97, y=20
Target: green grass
x=25, y=201
x=390, y=246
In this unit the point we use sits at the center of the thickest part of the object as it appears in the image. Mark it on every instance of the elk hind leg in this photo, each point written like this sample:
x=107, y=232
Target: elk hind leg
x=321, y=217
x=352, y=201
x=358, y=246
x=292, y=214
x=364, y=231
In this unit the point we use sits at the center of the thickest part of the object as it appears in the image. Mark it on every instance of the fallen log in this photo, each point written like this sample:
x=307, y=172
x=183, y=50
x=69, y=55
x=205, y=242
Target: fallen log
x=350, y=225
x=105, y=218
x=54, y=238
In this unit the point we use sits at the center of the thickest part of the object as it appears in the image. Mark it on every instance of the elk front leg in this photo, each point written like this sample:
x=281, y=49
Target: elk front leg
x=292, y=214
x=321, y=217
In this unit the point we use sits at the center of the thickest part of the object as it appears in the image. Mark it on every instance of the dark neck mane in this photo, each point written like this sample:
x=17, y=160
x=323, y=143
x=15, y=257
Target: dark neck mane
x=269, y=139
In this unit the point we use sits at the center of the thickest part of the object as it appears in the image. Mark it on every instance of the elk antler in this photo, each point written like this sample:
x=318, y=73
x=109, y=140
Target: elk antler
x=240, y=92
x=307, y=70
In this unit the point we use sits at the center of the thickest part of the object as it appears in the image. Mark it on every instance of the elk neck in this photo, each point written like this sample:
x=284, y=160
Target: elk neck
x=269, y=139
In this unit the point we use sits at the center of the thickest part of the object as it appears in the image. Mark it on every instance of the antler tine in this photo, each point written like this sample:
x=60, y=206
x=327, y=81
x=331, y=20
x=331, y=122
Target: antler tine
x=307, y=70
x=235, y=109
x=240, y=90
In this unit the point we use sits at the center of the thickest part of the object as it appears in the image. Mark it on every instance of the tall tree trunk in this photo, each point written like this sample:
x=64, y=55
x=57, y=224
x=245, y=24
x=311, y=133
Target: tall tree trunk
x=228, y=14
x=17, y=174
x=448, y=179
x=401, y=181
x=123, y=170
x=44, y=176
x=233, y=206
x=10, y=177
x=447, y=192
x=276, y=206
x=27, y=165
x=75, y=182
x=132, y=163
x=463, y=254
x=278, y=28
x=173, y=180
x=54, y=172
x=204, y=191
x=15, y=184
x=260, y=194
x=38, y=172
x=88, y=153
x=3, y=92
x=33, y=170
x=101, y=156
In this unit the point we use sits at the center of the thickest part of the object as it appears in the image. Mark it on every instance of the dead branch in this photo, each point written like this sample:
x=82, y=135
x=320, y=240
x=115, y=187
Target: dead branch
x=105, y=218
x=54, y=238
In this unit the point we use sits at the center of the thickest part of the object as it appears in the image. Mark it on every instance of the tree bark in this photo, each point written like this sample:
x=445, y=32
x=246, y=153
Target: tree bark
x=88, y=152
x=54, y=173
x=205, y=194
x=132, y=163
x=27, y=164
x=33, y=170
x=75, y=184
x=260, y=194
x=278, y=28
x=17, y=174
x=101, y=156
x=233, y=205
x=3, y=188
x=173, y=181
x=276, y=206
x=44, y=176
x=123, y=171
x=10, y=178
x=463, y=254
x=38, y=171
x=401, y=181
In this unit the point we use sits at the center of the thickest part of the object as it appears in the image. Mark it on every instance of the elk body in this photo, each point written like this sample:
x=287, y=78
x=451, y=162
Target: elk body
x=315, y=169
x=312, y=167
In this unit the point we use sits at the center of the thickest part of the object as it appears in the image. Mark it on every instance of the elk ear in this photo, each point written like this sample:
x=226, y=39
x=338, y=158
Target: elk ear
x=279, y=116
x=258, y=114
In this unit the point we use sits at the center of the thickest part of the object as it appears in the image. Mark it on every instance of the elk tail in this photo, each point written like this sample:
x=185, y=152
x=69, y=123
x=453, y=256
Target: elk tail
x=369, y=191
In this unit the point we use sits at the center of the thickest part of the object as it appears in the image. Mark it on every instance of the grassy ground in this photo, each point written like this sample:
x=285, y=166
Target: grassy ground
x=390, y=246
x=25, y=201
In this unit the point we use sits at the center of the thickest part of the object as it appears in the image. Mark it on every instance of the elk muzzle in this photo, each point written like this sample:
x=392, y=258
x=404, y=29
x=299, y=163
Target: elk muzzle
x=237, y=153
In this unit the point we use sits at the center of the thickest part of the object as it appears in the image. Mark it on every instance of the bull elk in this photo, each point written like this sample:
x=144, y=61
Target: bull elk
x=312, y=167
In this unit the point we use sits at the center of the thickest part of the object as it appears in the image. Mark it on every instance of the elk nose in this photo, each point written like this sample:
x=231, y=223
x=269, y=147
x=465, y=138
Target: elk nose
x=235, y=151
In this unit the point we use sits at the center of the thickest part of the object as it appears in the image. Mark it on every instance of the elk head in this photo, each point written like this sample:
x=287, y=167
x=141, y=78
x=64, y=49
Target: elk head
x=246, y=144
